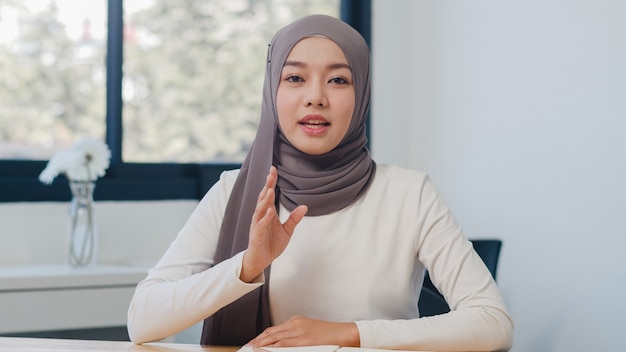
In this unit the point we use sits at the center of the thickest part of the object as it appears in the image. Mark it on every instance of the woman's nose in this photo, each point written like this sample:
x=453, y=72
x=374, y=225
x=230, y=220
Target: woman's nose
x=316, y=96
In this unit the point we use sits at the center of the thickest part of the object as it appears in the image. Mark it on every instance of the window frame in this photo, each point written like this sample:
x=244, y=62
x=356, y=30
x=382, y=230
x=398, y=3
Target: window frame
x=136, y=181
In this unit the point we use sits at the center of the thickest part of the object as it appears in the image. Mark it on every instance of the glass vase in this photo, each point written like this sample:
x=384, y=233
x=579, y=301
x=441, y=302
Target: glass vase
x=82, y=229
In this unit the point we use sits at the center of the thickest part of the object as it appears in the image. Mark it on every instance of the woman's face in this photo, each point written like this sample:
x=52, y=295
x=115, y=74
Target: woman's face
x=315, y=98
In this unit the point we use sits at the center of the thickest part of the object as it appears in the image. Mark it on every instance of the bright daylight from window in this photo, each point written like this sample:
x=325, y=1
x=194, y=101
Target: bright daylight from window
x=193, y=73
x=52, y=75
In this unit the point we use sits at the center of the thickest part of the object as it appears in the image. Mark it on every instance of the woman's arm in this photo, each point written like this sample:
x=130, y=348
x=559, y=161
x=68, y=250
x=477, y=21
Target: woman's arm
x=163, y=308
x=478, y=320
x=184, y=287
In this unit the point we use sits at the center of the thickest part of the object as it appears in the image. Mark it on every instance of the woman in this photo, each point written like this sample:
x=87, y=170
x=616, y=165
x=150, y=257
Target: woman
x=346, y=241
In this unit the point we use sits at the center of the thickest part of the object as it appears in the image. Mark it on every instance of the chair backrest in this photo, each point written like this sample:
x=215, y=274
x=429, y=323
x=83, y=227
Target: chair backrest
x=431, y=302
x=489, y=252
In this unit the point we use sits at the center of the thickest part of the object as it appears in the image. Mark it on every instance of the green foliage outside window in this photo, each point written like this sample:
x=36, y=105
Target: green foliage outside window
x=193, y=72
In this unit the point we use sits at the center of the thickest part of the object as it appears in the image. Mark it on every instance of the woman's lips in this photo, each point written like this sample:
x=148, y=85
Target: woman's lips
x=314, y=124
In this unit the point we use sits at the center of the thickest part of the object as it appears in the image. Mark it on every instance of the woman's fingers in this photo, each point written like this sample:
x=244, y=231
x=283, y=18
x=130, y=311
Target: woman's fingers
x=270, y=336
x=294, y=219
x=270, y=182
x=263, y=205
x=301, y=331
x=272, y=178
x=266, y=196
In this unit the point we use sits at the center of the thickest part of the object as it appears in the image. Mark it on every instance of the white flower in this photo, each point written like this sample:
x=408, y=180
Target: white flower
x=86, y=160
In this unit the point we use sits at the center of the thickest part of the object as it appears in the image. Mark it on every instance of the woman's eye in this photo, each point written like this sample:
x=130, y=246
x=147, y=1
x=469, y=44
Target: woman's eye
x=294, y=79
x=338, y=80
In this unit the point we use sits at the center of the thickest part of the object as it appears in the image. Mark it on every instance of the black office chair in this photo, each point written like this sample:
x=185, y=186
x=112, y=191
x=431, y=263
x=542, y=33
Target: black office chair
x=431, y=302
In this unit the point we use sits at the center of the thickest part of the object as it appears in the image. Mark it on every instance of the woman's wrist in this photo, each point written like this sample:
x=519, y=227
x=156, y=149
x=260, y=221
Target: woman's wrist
x=350, y=335
x=248, y=274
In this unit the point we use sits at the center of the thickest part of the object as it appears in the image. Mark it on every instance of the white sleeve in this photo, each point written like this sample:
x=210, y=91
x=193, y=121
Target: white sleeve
x=184, y=287
x=478, y=320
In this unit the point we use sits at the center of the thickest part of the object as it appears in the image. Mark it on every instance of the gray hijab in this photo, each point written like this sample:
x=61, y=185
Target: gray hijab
x=325, y=183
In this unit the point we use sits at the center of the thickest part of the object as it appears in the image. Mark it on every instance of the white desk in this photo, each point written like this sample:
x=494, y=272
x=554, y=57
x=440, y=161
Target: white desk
x=43, y=298
x=12, y=344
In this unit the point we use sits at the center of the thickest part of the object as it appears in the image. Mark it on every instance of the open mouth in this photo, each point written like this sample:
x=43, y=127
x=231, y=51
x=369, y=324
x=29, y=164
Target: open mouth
x=314, y=124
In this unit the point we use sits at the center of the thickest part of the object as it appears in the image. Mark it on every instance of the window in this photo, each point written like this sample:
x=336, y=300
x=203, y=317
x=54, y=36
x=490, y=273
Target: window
x=161, y=72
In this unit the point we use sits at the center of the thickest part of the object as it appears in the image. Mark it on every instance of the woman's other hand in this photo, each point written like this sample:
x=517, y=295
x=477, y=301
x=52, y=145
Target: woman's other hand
x=268, y=236
x=300, y=331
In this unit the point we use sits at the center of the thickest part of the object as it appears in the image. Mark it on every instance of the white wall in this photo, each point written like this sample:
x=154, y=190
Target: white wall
x=517, y=110
x=130, y=233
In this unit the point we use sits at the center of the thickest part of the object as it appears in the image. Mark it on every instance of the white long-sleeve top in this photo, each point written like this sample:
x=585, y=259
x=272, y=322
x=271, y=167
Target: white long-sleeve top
x=364, y=263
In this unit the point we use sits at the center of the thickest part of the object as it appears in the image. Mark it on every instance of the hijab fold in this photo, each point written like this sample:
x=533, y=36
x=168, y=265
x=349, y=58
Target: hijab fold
x=325, y=183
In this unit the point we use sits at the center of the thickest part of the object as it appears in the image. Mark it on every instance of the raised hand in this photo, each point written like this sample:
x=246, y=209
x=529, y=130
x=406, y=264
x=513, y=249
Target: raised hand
x=268, y=236
x=300, y=331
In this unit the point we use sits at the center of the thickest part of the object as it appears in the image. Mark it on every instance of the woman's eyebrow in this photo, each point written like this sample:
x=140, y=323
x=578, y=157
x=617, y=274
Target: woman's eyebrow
x=339, y=66
x=294, y=63
x=335, y=66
